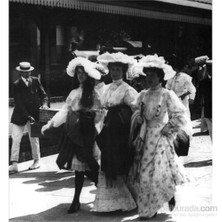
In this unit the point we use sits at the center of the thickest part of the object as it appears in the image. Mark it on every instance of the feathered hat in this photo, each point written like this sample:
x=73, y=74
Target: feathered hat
x=107, y=58
x=154, y=61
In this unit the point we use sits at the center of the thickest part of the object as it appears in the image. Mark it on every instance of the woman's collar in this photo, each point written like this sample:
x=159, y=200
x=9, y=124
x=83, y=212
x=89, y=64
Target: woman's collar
x=156, y=87
x=118, y=82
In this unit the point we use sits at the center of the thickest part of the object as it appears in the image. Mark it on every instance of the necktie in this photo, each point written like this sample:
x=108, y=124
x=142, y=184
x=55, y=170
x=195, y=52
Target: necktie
x=27, y=82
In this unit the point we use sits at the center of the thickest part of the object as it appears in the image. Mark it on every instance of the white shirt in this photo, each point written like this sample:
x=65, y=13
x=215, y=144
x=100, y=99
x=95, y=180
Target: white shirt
x=26, y=81
x=119, y=92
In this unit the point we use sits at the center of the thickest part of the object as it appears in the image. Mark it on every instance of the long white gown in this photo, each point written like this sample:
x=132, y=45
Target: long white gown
x=115, y=196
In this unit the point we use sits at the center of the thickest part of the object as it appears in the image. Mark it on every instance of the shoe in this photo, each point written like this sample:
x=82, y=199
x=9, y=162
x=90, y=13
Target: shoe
x=35, y=165
x=172, y=204
x=13, y=168
x=74, y=208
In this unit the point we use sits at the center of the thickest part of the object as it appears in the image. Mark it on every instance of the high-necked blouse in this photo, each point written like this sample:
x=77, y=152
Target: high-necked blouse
x=73, y=103
x=119, y=92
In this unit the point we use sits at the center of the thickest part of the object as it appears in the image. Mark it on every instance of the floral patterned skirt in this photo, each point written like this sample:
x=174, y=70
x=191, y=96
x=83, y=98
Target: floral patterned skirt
x=112, y=197
x=160, y=171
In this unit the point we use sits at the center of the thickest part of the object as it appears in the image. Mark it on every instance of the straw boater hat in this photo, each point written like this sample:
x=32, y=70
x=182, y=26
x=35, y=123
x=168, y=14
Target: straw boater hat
x=24, y=67
x=154, y=61
x=88, y=66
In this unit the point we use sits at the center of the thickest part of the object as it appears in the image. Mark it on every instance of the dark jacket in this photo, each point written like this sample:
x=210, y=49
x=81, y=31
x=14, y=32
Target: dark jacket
x=27, y=100
x=204, y=97
x=113, y=142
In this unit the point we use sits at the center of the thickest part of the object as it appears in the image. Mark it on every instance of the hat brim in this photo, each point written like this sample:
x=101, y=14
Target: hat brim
x=88, y=67
x=26, y=70
x=167, y=69
x=107, y=58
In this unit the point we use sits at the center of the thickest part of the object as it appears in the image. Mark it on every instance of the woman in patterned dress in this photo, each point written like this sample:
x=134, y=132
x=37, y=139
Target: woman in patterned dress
x=156, y=169
x=112, y=193
x=80, y=113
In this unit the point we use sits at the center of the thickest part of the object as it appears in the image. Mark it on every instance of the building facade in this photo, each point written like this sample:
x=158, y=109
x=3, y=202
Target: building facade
x=40, y=31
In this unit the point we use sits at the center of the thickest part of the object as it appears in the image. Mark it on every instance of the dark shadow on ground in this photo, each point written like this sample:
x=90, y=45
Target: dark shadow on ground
x=201, y=134
x=50, y=181
x=59, y=213
x=199, y=163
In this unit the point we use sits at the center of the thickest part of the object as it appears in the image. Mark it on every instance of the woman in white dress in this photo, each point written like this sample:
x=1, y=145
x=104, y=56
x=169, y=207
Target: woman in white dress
x=156, y=169
x=112, y=193
x=182, y=84
x=80, y=113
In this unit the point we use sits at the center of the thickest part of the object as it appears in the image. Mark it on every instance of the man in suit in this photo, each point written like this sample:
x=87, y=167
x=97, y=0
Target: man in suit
x=29, y=95
x=204, y=99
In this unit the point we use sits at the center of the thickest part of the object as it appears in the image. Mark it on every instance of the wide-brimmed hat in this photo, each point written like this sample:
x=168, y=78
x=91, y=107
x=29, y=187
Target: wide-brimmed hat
x=24, y=67
x=154, y=61
x=103, y=71
x=118, y=57
x=88, y=66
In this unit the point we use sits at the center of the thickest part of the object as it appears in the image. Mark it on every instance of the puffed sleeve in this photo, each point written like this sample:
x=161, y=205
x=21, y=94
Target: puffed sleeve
x=60, y=116
x=130, y=97
x=177, y=112
x=191, y=88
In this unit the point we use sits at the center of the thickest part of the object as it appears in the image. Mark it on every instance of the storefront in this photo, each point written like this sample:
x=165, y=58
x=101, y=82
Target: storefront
x=40, y=31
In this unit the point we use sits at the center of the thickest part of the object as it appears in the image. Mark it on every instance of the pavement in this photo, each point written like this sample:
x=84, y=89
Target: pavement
x=45, y=194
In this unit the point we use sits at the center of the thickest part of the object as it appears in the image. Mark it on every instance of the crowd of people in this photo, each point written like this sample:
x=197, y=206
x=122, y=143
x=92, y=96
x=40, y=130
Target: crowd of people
x=121, y=138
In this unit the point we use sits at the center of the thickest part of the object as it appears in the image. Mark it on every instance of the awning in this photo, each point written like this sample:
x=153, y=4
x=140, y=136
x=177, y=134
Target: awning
x=202, y=4
x=120, y=10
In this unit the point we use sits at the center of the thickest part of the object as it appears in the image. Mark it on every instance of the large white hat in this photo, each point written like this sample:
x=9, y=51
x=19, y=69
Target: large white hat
x=24, y=67
x=155, y=61
x=88, y=66
x=103, y=70
x=107, y=58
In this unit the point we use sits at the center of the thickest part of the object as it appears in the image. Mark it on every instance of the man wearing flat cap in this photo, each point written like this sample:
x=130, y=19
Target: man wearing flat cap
x=29, y=95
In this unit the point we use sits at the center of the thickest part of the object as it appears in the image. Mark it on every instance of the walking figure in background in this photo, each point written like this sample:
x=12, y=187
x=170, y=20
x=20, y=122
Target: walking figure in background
x=29, y=95
x=80, y=114
x=156, y=169
x=112, y=193
x=182, y=84
x=204, y=100
x=202, y=68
